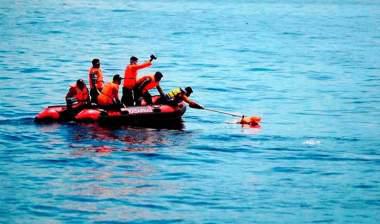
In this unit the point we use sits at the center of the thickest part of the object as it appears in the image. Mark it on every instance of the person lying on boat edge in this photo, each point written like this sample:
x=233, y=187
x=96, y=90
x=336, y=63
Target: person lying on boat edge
x=77, y=97
x=109, y=97
x=146, y=83
x=95, y=78
x=177, y=95
x=130, y=74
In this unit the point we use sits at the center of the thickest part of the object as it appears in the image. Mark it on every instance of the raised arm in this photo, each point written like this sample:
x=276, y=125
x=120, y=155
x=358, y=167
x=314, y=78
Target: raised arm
x=143, y=65
x=147, y=63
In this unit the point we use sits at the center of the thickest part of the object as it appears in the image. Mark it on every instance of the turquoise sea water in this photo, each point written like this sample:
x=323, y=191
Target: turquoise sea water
x=310, y=68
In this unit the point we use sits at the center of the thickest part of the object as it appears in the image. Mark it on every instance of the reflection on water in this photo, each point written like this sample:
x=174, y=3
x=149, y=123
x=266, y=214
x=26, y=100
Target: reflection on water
x=250, y=129
x=103, y=149
x=90, y=137
x=111, y=165
x=48, y=128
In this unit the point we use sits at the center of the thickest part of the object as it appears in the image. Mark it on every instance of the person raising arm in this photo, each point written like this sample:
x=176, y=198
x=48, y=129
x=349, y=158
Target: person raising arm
x=130, y=74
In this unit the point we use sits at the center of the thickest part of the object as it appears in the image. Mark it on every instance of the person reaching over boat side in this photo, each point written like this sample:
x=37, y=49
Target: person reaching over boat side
x=109, y=97
x=95, y=78
x=144, y=84
x=77, y=97
x=177, y=95
x=130, y=74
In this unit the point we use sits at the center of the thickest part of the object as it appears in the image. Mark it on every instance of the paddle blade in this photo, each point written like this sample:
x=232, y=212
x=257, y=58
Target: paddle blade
x=254, y=120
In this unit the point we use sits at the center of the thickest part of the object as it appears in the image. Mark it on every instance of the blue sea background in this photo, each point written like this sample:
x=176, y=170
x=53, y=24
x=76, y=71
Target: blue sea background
x=311, y=69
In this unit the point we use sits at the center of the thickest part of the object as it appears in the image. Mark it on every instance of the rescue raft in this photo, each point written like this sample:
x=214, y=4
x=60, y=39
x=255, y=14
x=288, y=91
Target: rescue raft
x=149, y=114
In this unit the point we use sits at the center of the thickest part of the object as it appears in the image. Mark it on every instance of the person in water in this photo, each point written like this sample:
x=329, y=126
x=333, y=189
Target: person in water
x=130, y=74
x=252, y=121
x=109, y=97
x=95, y=78
x=177, y=95
x=77, y=97
x=146, y=83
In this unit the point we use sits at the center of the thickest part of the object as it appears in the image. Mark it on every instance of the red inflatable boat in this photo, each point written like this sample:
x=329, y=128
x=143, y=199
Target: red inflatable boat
x=149, y=114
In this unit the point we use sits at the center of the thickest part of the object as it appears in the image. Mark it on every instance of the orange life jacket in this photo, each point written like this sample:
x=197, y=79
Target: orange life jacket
x=150, y=85
x=130, y=74
x=80, y=95
x=109, y=92
x=99, y=77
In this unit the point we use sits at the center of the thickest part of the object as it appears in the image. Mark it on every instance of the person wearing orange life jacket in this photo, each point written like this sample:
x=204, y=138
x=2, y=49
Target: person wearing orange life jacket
x=109, y=97
x=178, y=95
x=130, y=74
x=144, y=84
x=78, y=94
x=95, y=78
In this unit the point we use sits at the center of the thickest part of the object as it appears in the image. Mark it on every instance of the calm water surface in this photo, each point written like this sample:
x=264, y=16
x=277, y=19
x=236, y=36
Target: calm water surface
x=310, y=68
